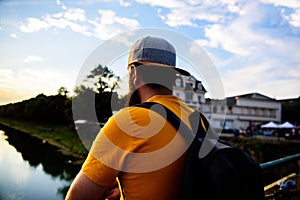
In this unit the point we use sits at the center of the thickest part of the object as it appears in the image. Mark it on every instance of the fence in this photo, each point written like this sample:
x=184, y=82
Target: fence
x=287, y=187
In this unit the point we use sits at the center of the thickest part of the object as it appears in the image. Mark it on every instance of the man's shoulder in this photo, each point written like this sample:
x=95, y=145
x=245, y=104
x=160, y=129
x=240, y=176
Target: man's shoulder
x=132, y=112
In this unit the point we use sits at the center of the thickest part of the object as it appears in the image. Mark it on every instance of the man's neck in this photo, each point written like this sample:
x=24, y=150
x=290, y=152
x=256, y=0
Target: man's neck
x=146, y=92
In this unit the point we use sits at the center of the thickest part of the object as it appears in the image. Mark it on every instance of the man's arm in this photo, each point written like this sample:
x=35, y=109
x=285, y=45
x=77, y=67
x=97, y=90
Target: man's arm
x=84, y=188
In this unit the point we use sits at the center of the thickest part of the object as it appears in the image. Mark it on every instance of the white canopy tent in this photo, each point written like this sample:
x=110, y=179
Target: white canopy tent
x=286, y=125
x=270, y=125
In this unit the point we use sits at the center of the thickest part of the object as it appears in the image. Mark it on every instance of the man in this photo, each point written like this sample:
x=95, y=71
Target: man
x=137, y=147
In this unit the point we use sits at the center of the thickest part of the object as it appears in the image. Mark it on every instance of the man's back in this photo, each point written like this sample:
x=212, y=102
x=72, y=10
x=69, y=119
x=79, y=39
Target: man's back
x=151, y=155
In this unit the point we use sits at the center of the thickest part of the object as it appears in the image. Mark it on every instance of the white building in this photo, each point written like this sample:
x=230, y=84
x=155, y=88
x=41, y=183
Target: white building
x=190, y=90
x=238, y=112
x=249, y=110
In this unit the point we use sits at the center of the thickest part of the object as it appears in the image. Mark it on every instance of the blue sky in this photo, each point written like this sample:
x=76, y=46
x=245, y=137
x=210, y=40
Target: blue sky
x=254, y=45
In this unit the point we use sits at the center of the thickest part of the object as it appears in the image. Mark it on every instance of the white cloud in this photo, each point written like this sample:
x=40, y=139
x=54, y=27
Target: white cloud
x=185, y=17
x=30, y=59
x=75, y=14
x=185, y=13
x=260, y=77
x=262, y=59
x=109, y=24
x=272, y=69
x=166, y=3
x=124, y=3
x=67, y=18
x=233, y=8
x=294, y=18
x=13, y=35
x=286, y=3
x=237, y=36
x=104, y=27
x=33, y=25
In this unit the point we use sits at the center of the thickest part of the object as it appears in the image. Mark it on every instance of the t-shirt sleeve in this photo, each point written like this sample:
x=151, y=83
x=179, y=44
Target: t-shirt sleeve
x=108, y=152
x=98, y=172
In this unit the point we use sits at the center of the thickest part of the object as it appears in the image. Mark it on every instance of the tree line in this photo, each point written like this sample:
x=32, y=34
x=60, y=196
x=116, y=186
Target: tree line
x=100, y=84
x=54, y=108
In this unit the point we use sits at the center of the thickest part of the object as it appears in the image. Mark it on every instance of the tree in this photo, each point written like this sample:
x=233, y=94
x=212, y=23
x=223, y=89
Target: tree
x=104, y=79
x=105, y=82
x=62, y=91
x=290, y=111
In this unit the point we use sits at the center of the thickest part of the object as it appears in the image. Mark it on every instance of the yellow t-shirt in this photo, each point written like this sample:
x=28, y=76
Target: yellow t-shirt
x=143, y=150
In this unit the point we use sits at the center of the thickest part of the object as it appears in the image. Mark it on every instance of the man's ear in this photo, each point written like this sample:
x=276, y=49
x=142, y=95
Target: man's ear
x=133, y=74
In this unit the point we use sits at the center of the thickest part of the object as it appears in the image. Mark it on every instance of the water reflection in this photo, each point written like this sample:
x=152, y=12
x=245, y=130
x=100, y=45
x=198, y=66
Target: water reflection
x=31, y=169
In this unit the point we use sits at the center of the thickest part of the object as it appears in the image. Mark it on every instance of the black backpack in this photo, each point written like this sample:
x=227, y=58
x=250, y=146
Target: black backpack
x=226, y=172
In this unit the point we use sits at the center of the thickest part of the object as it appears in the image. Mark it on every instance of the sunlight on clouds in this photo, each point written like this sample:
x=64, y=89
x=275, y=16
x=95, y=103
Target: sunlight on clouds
x=26, y=82
x=11, y=95
x=9, y=87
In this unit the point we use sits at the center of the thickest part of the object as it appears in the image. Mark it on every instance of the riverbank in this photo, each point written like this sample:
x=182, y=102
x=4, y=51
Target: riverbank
x=67, y=140
x=62, y=136
x=264, y=148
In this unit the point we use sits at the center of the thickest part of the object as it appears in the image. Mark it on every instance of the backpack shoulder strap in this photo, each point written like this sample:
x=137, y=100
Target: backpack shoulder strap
x=177, y=123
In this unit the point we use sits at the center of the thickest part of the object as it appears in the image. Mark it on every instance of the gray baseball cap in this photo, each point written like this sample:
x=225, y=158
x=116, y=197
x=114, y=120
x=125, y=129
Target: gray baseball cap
x=154, y=50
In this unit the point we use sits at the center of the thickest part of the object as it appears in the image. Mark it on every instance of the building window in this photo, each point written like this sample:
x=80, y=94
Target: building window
x=178, y=82
x=245, y=111
x=215, y=109
x=199, y=86
x=222, y=109
x=188, y=97
x=177, y=94
x=199, y=99
x=268, y=112
x=273, y=113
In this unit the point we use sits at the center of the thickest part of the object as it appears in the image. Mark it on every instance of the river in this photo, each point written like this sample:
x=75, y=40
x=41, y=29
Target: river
x=32, y=169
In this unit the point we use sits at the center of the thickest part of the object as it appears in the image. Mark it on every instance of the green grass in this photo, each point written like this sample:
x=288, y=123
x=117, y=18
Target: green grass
x=63, y=136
